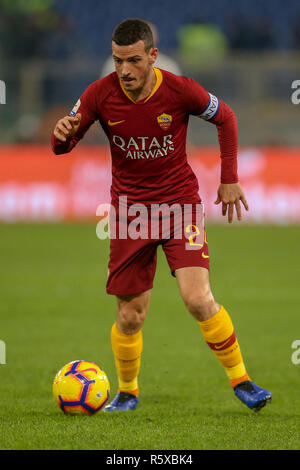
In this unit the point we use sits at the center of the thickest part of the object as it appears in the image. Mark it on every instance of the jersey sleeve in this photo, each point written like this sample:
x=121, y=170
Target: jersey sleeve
x=206, y=106
x=86, y=106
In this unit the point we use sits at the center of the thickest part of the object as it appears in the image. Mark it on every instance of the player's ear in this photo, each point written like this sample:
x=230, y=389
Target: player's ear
x=153, y=53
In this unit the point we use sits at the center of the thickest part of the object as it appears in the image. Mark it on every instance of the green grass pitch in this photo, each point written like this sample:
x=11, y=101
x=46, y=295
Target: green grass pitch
x=54, y=309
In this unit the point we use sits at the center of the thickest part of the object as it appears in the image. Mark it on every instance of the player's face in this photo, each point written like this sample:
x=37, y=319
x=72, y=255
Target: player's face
x=133, y=64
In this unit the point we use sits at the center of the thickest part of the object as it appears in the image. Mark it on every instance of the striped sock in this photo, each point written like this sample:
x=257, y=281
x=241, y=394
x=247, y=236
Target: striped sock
x=219, y=334
x=127, y=351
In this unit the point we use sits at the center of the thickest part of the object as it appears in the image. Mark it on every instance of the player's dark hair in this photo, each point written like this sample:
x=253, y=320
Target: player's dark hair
x=131, y=31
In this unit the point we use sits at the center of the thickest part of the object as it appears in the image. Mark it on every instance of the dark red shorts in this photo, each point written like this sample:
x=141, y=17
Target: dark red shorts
x=134, y=241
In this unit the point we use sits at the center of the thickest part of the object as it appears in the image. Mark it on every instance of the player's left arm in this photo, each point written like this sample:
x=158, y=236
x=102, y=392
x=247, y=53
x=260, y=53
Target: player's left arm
x=214, y=110
x=230, y=192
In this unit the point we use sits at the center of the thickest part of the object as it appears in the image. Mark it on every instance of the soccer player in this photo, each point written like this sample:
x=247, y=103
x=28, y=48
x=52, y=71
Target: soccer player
x=144, y=112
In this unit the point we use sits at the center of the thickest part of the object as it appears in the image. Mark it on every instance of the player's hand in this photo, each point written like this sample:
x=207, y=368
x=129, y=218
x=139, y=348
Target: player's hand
x=67, y=127
x=231, y=196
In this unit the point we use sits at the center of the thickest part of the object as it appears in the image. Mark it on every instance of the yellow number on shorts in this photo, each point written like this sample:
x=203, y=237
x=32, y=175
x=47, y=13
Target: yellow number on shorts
x=193, y=235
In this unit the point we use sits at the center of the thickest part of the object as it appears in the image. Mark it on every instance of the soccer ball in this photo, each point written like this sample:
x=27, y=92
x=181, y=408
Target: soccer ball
x=81, y=387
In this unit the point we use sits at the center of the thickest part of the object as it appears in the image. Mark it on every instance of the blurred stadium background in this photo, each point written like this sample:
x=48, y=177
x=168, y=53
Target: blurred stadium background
x=245, y=52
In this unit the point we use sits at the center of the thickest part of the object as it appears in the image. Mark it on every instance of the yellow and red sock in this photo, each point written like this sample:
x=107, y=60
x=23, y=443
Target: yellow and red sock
x=219, y=334
x=127, y=351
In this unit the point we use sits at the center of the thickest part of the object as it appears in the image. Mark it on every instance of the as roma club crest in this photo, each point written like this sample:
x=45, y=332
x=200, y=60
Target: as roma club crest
x=164, y=121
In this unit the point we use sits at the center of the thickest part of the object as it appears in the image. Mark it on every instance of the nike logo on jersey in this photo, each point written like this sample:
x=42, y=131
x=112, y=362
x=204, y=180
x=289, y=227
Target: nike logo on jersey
x=205, y=256
x=111, y=123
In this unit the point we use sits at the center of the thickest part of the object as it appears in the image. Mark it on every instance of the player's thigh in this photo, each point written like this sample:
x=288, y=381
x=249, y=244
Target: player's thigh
x=187, y=245
x=195, y=290
x=132, y=262
x=132, y=311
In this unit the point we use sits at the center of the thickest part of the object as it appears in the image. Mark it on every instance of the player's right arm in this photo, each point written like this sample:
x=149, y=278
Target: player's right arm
x=70, y=129
x=67, y=127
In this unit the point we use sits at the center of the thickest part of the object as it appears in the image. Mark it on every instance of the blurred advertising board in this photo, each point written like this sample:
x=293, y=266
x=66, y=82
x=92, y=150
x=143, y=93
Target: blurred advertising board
x=36, y=185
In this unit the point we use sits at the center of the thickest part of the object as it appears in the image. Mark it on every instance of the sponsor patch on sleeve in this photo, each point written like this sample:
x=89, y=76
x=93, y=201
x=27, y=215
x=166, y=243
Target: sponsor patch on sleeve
x=75, y=109
x=211, y=109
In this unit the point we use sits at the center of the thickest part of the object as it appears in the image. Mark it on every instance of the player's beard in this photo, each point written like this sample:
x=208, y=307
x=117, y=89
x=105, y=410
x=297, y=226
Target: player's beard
x=140, y=87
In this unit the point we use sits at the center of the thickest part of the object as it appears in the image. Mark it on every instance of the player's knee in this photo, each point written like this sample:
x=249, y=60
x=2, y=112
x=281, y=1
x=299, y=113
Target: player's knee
x=130, y=319
x=200, y=304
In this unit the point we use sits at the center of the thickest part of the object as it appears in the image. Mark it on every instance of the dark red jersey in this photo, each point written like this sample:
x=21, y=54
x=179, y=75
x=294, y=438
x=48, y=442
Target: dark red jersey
x=148, y=138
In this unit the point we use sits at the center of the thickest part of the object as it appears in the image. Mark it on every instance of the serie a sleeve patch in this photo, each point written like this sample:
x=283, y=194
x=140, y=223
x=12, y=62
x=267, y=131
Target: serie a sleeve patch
x=75, y=109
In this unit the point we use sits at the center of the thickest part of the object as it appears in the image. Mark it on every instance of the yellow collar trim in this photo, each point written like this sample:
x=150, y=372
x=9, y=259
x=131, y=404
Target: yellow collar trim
x=159, y=79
